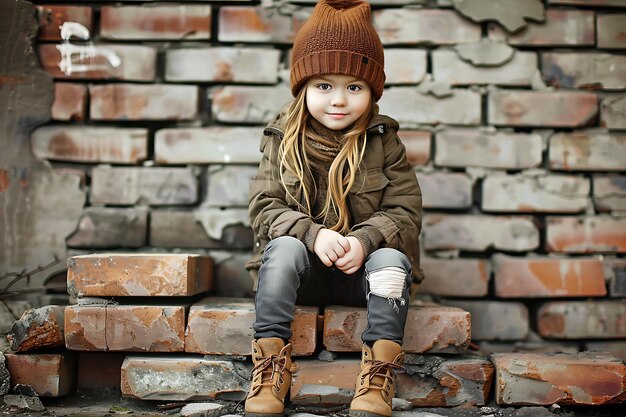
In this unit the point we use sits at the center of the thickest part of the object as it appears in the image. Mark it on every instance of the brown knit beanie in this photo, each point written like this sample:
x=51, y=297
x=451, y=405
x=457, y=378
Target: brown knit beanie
x=339, y=39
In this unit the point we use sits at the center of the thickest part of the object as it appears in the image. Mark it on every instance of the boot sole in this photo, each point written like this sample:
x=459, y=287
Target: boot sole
x=359, y=413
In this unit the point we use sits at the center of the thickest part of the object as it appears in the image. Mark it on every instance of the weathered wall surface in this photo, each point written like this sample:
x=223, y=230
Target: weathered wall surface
x=514, y=118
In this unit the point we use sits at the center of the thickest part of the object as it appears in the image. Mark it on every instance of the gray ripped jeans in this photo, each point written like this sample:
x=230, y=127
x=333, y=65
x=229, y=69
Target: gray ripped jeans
x=291, y=275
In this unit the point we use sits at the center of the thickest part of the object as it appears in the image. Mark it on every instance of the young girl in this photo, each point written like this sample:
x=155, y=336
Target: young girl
x=335, y=209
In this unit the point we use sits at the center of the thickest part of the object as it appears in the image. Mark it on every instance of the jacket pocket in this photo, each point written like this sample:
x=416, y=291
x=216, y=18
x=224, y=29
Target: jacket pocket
x=367, y=193
x=293, y=194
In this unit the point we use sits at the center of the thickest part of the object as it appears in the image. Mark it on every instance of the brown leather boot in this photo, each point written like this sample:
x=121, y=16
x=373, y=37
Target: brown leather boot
x=375, y=385
x=271, y=378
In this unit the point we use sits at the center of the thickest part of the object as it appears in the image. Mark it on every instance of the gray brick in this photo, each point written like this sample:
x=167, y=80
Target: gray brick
x=587, y=151
x=495, y=320
x=154, y=186
x=107, y=227
x=611, y=31
x=584, y=70
x=469, y=147
x=445, y=189
x=609, y=193
x=238, y=104
x=590, y=319
x=228, y=186
x=612, y=111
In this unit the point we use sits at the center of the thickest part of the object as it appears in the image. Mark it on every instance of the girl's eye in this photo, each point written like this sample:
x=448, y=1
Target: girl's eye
x=354, y=88
x=324, y=86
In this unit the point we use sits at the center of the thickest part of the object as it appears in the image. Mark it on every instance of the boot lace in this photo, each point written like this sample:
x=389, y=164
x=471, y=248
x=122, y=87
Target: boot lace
x=267, y=375
x=379, y=368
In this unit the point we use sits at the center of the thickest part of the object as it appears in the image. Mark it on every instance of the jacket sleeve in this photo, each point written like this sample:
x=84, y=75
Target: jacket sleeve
x=398, y=223
x=270, y=214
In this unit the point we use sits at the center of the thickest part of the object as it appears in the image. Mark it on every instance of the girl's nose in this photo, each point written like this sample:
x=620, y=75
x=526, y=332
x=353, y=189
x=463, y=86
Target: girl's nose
x=338, y=99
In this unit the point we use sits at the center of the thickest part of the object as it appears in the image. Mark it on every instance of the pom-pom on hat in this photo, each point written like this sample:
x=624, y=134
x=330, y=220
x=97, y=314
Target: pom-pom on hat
x=339, y=38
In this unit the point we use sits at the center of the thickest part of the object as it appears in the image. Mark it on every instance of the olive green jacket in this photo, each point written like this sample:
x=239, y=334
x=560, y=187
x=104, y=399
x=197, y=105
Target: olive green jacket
x=385, y=201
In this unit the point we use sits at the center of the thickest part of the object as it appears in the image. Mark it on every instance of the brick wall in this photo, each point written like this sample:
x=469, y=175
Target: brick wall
x=518, y=141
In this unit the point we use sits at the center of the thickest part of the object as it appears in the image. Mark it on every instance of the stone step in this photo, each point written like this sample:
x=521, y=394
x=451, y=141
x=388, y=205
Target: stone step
x=139, y=274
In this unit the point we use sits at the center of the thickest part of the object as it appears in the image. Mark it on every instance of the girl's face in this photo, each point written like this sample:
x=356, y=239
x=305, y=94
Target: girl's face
x=337, y=100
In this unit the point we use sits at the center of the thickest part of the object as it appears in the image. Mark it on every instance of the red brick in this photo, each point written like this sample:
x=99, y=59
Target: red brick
x=542, y=108
x=112, y=275
x=561, y=28
x=499, y=149
x=223, y=326
x=561, y=378
x=138, y=62
x=541, y=193
x=182, y=229
x=217, y=64
x=143, y=102
x=548, y=277
x=612, y=110
x=208, y=145
x=609, y=193
x=177, y=378
x=597, y=319
x=452, y=190
x=431, y=328
x=448, y=67
x=110, y=227
x=440, y=382
x=479, y=233
x=258, y=24
x=125, y=328
x=248, y=104
x=37, y=328
x=90, y=144
x=53, y=16
x=587, y=151
x=417, y=144
x=460, y=381
x=586, y=234
x=177, y=22
x=584, y=70
x=409, y=106
x=405, y=66
x=611, y=31
x=70, y=102
x=59, y=370
x=455, y=277
x=411, y=26
x=148, y=185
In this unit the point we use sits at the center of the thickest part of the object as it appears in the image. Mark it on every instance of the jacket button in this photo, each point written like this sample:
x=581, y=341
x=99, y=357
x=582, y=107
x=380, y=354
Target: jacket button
x=258, y=244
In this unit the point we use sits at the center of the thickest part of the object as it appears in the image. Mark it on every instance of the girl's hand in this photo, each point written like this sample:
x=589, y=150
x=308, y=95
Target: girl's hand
x=353, y=260
x=330, y=246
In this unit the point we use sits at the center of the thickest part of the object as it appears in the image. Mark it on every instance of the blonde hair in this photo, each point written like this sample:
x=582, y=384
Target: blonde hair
x=295, y=151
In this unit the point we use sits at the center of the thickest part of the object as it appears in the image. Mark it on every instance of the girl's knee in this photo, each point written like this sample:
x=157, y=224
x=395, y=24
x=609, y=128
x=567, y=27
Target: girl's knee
x=286, y=247
x=388, y=257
